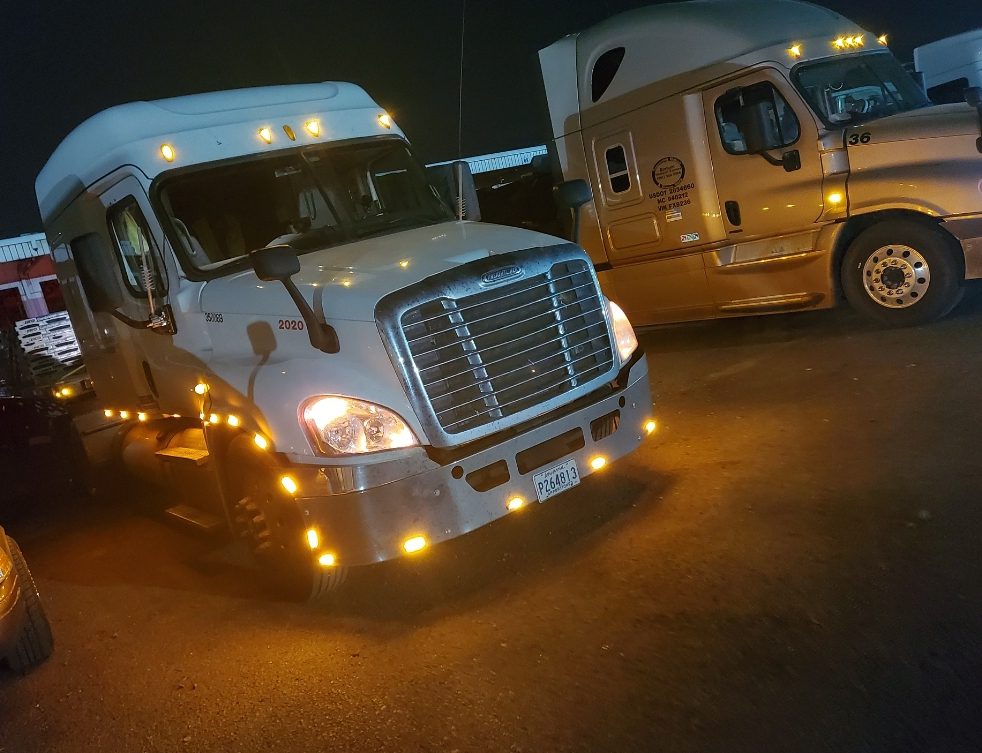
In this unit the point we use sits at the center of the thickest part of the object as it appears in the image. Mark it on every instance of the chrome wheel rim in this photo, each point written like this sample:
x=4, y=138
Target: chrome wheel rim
x=896, y=277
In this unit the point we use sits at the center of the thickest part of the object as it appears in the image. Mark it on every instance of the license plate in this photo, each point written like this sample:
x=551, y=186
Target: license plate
x=556, y=480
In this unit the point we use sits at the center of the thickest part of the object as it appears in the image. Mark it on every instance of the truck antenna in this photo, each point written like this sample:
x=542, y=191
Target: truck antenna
x=461, y=209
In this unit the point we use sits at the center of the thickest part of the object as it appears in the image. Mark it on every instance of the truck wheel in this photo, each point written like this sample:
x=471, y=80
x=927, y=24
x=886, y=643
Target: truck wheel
x=35, y=643
x=902, y=273
x=272, y=526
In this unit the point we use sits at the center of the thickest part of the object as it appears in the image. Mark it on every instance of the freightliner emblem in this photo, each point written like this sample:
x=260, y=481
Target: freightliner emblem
x=501, y=274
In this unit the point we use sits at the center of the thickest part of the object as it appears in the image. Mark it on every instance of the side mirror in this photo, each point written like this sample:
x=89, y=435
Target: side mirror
x=275, y=263
x=455, y=184
x=756, y=124
x=573, y=194
x=96, y=272
x=279, y=264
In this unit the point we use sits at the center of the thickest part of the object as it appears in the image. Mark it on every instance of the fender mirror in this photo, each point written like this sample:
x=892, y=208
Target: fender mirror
x=279, y=264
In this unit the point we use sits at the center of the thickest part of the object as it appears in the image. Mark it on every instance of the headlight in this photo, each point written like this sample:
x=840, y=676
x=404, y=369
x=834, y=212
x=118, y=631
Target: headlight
x=342, y=426
x=627, y=343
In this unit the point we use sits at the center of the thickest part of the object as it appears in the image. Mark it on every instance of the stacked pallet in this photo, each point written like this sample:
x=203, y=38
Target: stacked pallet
x=50, y=345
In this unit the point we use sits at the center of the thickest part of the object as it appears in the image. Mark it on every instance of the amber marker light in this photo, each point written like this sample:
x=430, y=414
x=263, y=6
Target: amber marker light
x=313, y=540
x=266, y=134
x=214, y=418
x=404, y=263
x=289, y=484
x=598, y=462
x=313, y=127
x=290, y=134
x=834, y=198
x=141, y=416
x=108, y=413
x=515, y=503
x=650, y=427
x=232, y=420
x=167, y=152
x=201, y=388
x=327, y=560
x=794, y=50
x=385, y=120
x=882, y=39
x=124, y=414
x=261, y=442
x=414, y=544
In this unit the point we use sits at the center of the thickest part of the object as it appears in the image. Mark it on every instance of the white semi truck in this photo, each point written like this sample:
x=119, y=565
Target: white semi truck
x=951, y=65
x=752, y=157
x=302, y=342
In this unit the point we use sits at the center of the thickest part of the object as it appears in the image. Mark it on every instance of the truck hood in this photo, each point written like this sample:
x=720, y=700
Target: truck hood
x=927, y=122
x=345, y=282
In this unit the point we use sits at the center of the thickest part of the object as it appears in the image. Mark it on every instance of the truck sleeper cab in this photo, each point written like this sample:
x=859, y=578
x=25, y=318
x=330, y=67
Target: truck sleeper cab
x=760, y=157
x=300, y=342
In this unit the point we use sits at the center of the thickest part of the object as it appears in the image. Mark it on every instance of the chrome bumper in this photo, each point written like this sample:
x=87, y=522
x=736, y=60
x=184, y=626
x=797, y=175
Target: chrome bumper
x=440, y=499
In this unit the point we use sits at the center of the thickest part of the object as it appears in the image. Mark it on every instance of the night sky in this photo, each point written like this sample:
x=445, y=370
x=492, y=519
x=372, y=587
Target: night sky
x=61, y=62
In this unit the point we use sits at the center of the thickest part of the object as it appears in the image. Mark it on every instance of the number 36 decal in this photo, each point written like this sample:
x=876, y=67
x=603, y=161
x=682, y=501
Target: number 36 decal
x=860, y=138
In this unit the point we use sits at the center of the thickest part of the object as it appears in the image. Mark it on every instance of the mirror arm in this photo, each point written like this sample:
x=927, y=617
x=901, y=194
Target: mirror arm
x=134, y=323
x=772, y=160
x=322, y=336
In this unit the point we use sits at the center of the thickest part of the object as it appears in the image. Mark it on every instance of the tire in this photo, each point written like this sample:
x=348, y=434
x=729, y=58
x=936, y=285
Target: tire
x=35, y=643
x=272, y=526
x=903, y=273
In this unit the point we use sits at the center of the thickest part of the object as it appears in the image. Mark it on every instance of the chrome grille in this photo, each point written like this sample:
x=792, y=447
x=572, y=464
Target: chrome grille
x=510, y=349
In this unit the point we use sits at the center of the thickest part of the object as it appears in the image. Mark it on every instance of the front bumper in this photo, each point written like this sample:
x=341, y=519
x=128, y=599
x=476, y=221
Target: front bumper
x=440, y=499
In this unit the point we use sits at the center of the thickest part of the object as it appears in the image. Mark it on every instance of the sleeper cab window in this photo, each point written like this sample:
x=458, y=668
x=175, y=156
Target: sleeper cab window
x=135, y=250
x=617, y=173
x=759, y=106
x=604, y=71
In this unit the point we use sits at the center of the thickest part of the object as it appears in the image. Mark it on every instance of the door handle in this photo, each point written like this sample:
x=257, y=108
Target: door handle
x=733, y=212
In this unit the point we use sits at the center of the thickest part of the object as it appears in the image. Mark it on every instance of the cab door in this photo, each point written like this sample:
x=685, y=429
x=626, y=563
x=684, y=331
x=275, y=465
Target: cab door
x=143, y=326
x=764, y=145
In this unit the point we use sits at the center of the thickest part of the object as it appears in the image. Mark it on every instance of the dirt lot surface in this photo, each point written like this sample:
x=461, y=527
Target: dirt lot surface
x=790, y=564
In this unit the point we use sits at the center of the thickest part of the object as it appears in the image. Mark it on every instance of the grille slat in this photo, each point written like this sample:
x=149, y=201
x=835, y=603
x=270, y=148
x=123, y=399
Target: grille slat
x=474, y=322
x=491, y=301
x=505, y=374
x=543, y=330
x=476, y=359
x=458, y=406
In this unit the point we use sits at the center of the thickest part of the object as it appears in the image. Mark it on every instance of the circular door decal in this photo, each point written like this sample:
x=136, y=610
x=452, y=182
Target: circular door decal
x=668, y=172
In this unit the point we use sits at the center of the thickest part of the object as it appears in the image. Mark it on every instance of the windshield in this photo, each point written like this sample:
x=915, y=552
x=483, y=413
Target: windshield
x=858, y=88
x=308, y=199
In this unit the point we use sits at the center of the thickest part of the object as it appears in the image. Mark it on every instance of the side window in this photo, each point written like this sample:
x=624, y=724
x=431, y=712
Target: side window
x=617, y=173
x=135, y=250
x=604, y=71
x=755, y=114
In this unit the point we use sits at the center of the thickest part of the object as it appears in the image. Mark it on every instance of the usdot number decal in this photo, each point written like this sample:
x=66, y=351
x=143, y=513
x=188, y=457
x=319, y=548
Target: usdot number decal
x=860, y=138
x=291, y=324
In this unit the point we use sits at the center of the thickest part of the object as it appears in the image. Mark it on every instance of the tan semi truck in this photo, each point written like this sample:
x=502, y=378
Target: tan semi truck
x=758, y=157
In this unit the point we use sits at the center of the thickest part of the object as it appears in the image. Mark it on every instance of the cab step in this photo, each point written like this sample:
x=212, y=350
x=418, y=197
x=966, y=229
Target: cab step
x=191, y=455
x=197, y=519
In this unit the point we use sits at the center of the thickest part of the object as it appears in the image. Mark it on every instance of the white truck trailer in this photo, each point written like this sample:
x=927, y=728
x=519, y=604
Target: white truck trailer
x=752, y=157
x=950, y=66
x=302, y=342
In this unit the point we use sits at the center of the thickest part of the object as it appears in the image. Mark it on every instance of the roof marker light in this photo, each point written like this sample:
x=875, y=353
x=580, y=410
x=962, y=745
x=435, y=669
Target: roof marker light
x=124, y=414
x=141, y=416
x=289, y=133
x=200, y=388
x=313, y=539
x=385, y=120
x=108, y=413
x=882, y=39
x=313, y=127
x=261, y=442
x=327, y=560
x=266, y=134
x=289, y=484
x=167, y=152
x=232, y=420
x=794, y=50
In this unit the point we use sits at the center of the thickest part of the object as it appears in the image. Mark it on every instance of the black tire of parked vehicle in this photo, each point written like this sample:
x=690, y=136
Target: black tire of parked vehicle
x=35, y=642
x=271, y=524
x=940, y=290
